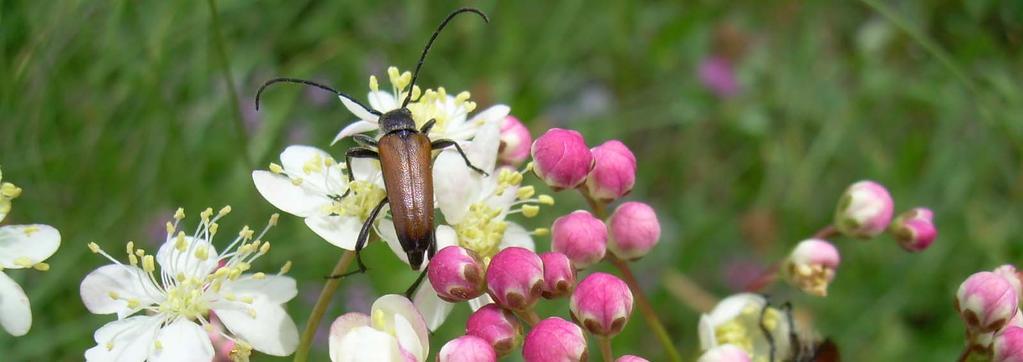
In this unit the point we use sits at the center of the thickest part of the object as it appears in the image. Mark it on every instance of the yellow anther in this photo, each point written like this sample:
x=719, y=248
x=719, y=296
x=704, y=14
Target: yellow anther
x=179, y=214
x=265, y=248
x=275, y=168
x=134, y=303
x=23, y=262
x=170, y=228
x=374, y=85
x=113, y=295
x=416, y=92
x=208, y=327
x=546, y=200
x=541, y=231
x=462, y=97
x=158, y=345
x=29, y=230
x=132, y=259
x=525, y=192
x=530, y=211
x=296, y=181
x=206, y=214
x=110, y=346
x=41, y=266
x=247, y=299
x=243, y=266
x=217, y=284
x=235, y=273
x=148, y=264
x=9, y=191
x=213, y=228
x=392, y=74
x=246, y=233
x=286, y=268
x=180, y=243
x=224, y=211
x=140, y=252
x=130, y=247
x=274, y=218
x=529, y=167
x=202, y=253
x=259, y=276
x=181, y=277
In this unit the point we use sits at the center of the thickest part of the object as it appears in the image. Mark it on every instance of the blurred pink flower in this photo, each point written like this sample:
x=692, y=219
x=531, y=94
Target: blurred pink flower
x=717, y=74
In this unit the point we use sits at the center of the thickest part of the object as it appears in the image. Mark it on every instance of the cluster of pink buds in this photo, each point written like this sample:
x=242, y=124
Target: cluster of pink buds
x=563, y=161
x=630, y=233
x=988, y=303
x=864, y=211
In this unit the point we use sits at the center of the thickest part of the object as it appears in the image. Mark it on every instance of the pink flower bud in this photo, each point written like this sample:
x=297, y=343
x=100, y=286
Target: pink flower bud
x=467, y=349
x=497, y=326
x=515, y=278
x=1008, y=271
x=456, y=274
x=631, y=358
x=914, y=229
x=515, y=141
x=634, y=230
x=725, y=353
x=602, y=304
x=811, y=266
x=864, y=210
x=1008, y=345
x=581, y=237
x=986, y=301
x=558, y=275
x=613, y=173
x=554, y=339
x=561, y=158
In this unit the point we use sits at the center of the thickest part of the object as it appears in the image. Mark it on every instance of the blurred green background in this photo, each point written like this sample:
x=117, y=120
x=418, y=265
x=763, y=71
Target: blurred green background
x=116, y=112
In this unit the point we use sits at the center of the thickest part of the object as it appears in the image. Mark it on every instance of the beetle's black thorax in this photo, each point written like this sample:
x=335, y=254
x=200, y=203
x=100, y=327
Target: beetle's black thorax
x=396, y=120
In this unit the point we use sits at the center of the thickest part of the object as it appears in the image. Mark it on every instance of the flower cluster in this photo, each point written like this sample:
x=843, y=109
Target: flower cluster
x=988, y=303
x=165, y=302
x=21, y=247
x=864, y=211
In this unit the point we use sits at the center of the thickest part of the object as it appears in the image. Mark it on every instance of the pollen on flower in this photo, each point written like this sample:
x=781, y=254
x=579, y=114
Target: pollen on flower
x=275, y=168
x=541, y=231
x=286, y=268
x=179, y=214
x=94, y=247
x=41, y=266
x=23, y=262
x=29, y=230
x=359, y=203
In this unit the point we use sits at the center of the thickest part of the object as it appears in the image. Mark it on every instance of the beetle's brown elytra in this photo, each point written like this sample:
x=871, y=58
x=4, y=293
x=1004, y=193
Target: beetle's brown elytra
x=405, y=155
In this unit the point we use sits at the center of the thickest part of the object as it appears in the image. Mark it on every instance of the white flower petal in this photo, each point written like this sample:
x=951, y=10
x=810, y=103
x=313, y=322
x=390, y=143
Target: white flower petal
x=174, y=261
x=22, y=246
x=483, y=149
x=182, y=340
x=295, y=157
x=706, y=332
x=363, y=113
x=355, y=127
x=730, y=307
x=340, y=328
x=433, y=309
x=342, y=231
x=493, y=114
x=408, y=339
x=15, y=314
x=385, y=228
x=277, y=289
x=454, y=187
x=125, y=340
x=382, y=101
x=263, y=324
x=125, y=282
x=480, y=301
x=364, y=169
x=446, y=236
x=363, y=344
x=516, y=235
x=393, y=304
x=297, y=200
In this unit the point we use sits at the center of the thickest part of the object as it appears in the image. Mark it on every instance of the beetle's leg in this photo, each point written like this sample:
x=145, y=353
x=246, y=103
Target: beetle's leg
x=765, y=330
x=356, y=152
x=363, y=238
x=364, y=140
x=426, y=127
x=419, y=280
x=442, y=144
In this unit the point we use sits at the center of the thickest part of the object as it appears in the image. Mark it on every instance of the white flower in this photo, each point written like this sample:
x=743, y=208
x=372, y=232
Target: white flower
x=309, y=184
x=475, y=208
x=394, y=331
x=21, y=246
x=450, y=112
x=736, y=320
x=193, y=280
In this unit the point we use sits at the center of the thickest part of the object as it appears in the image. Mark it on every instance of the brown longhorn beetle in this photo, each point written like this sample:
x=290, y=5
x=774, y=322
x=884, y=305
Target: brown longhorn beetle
x=405, y=155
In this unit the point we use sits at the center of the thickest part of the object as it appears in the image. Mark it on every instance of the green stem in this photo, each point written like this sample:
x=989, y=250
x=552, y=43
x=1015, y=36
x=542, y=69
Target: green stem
x=645, y=308
x=528, y=316
x=605, y=349
x=225, y=70
x=306, y=342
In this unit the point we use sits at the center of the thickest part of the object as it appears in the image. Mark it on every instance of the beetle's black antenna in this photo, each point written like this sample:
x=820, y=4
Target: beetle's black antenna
x=422, y=57
x=312, y=84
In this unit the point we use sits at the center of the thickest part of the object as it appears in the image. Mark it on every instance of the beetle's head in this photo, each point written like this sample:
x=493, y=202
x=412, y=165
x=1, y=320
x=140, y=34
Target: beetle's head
x=396, y=120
